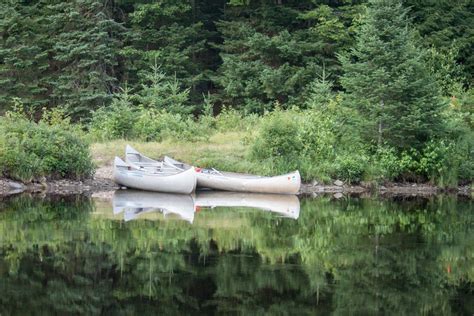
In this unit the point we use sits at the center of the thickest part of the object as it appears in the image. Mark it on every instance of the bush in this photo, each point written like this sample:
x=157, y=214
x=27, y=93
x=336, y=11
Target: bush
x=278, y=139
x=232, y=120
x=114, y=122
x=350, y=167
x=31, y=150
x=155, y=125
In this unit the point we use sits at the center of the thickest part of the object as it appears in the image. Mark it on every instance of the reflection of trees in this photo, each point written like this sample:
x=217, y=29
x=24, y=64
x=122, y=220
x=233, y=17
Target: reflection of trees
x=365, y=256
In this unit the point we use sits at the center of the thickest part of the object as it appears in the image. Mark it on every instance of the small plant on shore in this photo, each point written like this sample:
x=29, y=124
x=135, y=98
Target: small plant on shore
x=29, y=150
x=278, y=142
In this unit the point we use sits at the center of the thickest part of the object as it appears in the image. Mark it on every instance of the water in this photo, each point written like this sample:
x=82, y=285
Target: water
x=63, y=255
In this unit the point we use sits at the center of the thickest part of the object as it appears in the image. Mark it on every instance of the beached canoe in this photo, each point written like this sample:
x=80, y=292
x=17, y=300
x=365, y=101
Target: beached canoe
x=135, y=203
x=238, y=182
x=285, y=205
x=154, y=178
x=132, y=156
x=219, y=180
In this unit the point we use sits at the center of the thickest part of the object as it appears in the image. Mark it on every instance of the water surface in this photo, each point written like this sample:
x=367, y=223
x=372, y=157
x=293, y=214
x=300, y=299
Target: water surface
x=73, y=254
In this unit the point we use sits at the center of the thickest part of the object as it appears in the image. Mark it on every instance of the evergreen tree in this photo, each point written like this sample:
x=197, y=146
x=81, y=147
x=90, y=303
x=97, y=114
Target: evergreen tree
x=447, y=26
x=387, y=80
x=56, y=53
x=170, y=34
x=24, y=60
x=161, y=92
x=85, y=54
x=271, y=50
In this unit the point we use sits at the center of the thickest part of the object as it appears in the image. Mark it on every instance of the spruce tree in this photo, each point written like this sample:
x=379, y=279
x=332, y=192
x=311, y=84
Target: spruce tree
x=24, y=63
x=388, y=82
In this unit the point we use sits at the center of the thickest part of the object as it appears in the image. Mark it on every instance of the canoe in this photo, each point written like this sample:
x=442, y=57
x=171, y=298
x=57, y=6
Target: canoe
x=154, y=178
x=238, y=182
x=132, y=156
x=135, y=203
x=283, y=204
x=226, y=181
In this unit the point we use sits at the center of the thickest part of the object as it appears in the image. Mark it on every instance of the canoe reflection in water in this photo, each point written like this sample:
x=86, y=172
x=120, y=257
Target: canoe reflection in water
x=283, y=204
x=134, y=203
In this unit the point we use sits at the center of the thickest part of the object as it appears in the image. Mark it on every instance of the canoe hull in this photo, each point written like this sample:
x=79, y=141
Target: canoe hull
x=183, y=182
x=284, y=184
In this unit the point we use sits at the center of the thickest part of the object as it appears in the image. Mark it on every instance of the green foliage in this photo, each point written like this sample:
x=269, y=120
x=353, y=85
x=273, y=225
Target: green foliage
x=278, y=139
x=272, y=52
x=50, y=148
x=123, y=120
x=64, y=54
x=350, y=167
x=235, y=58
x=388, y=82
x=320, y=92
x=115, y=121
x=445, y=25
x=172, y=34
x=313, y=141
x=233, y=120
x=162, y=93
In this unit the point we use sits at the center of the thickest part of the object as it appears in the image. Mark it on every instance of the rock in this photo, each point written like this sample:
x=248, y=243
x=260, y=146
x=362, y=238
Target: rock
x=15, y=185
x=339, y=183
x=338, y=195
x=315, y=183
x=383, y=188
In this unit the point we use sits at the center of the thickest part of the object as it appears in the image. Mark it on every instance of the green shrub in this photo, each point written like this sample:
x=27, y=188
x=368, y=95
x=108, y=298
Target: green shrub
x=31, y=150
x=350, y=167
x=115, y=121
x=155, y=125
x=278, y=138
x=232, y=120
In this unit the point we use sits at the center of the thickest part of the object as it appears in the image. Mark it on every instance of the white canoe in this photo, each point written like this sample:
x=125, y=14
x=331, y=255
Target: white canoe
x=154, y=178
x=229, y=181
x=132, y=156
x=135, y=203
x=226, y=181
x=282, y=204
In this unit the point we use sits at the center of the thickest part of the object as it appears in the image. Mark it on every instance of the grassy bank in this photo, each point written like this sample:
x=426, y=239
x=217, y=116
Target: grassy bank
x=320, y=144
x=226, y=151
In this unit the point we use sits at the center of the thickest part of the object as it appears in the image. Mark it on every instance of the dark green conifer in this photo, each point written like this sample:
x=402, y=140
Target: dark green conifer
x=388, y=82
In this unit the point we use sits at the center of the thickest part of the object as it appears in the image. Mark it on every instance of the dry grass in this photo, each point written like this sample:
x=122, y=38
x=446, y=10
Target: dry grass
x=221, y=150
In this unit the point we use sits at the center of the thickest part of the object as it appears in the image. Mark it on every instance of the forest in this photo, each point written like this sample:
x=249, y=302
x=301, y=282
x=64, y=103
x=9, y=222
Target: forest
x=377, y=90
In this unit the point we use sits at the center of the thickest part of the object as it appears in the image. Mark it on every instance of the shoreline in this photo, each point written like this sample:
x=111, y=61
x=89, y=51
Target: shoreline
x=102, y=182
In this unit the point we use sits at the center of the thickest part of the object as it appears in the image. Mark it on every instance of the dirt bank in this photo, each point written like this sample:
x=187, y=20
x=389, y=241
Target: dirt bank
x=102, y=182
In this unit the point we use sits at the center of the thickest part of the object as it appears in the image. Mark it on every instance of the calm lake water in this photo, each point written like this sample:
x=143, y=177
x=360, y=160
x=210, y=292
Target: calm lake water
x=236, y=254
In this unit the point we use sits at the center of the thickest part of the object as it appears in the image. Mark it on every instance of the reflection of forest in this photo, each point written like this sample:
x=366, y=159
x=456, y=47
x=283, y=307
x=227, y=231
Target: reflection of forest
x=360, y=256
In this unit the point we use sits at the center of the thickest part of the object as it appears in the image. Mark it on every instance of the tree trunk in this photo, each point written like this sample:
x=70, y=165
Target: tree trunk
x=379, y=141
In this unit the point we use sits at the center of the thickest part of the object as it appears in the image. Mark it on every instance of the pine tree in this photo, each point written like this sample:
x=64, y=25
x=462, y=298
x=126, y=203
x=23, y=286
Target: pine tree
x=57, y=53
x=171, y=34
x=161, y=92
x=388, y=82
x=271, y=50
x=24, y=46
x=447, y=27
x=85, y=51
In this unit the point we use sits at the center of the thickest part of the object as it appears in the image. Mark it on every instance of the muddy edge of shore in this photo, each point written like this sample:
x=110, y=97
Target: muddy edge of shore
x=102, y=182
